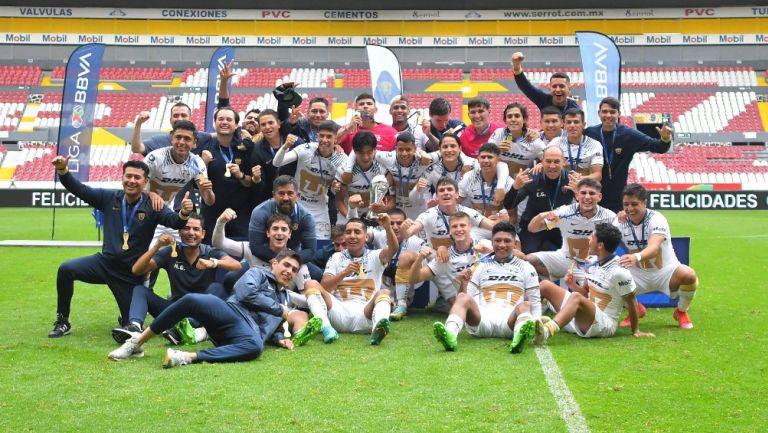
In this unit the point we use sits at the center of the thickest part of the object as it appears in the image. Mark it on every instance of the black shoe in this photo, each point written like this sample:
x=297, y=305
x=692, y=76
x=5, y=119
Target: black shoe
x=123, y=334
x=61, y=327
x=172, y=336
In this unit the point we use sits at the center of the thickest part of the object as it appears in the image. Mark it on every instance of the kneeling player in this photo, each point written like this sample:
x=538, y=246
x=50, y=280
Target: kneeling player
x=652, y=259
x=592, y=310
x=351, y=298
x=501, y=299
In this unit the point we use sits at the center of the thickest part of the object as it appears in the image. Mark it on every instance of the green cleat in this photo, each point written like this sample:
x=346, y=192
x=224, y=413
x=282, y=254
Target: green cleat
x=380, y=331
x=525, y=334
x=329, y=334
x=399, y=313
x=186, y=331
x=445, y=337
x=307, y=332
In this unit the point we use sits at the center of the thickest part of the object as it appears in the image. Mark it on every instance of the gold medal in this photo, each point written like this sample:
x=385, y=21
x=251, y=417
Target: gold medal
x=125, y=241
x=173, y=249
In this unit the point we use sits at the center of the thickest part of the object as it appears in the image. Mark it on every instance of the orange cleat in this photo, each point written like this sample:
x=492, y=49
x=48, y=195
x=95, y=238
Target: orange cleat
x=682, y=319
x=641, y=312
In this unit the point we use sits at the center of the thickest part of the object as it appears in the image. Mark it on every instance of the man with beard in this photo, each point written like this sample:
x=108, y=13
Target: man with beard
x=129, y=223
x=559, y=87
x=284, y=201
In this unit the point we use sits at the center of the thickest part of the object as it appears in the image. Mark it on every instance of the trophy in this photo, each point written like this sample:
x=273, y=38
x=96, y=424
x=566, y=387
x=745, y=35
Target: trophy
x=379, y=189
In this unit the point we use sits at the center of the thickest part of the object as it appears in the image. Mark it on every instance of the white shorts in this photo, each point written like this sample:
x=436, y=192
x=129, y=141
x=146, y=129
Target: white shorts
x=493, y=322
x=558, y=264
x=603, y=326
x=319, y=211
x=347, y=316
x=653, y=280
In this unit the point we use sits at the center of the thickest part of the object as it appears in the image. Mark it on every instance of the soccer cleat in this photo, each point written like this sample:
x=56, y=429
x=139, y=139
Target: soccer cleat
x=380, y=331
x=641, y=312
x=174, y=358
x=682, y=319
x=444, y=336
x=329, y=334
x=61, y=327
x=130, y=349
x=172, y=336
x=540, y=333
x=186, y=331
x=399, y=313
x=525, y=334
x=123, y=333
x=309, y=330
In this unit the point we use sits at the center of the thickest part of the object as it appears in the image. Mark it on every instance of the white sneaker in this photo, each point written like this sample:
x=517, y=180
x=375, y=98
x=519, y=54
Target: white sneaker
x=130, y=349
x=175, y=358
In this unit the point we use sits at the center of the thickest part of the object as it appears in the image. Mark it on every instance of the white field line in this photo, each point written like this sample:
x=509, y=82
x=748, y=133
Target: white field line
x=569, y=408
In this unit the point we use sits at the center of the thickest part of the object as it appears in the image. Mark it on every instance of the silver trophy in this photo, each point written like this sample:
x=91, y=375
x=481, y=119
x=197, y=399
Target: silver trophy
x=379, y=189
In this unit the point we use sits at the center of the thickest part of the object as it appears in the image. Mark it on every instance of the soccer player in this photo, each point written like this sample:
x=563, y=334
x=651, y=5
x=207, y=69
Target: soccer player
x=318, y=164
x=498, y=299
x=440, y=122
x=350, y=297
x=480, y=130
x=651, y=259
x=179, y=111
x=551, y=124
x=576, y=222
x=551, y=188
x=238, y=327
x=284, y=201
x=479, y=187
x=129, y=223
x=619, y=145
x=592, y=309
x=462, y=254
x=518, y=150
x=353, y=198
x=559, y=87
x=584, y=155
x=365, y=104
x=406, y=170
x=191, y=270
x=400, y=109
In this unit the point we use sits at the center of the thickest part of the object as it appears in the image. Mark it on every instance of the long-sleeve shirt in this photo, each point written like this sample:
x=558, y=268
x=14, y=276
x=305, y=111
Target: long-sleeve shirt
x=543, y=195
x=540, y=97
x=619, y=147
x=259, y=299
x=141, y=228
x=303, y=235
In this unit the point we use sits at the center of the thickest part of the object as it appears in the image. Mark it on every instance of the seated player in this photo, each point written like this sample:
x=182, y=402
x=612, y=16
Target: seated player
x=576, y=222
x=318, y=164
x=462, y=254
x=651, y=259
x=191, y=270
x=592, y=309
x=238, y=327
x=499, y=299
x=350, y=297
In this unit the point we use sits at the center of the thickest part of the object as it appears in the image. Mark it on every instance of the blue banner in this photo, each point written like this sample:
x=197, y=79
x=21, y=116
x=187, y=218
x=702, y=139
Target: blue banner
x=221, y=57
x=81, y=84
x=601, y=62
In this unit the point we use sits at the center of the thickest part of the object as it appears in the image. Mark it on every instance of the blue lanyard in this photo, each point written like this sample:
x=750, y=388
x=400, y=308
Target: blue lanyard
x=312, y=135
x=124, y=212
x=575, y=166
x=609, y=151
x=400, y=185
x=191, y=164
x=482, y=191
x=641, y=243
x=606, y=260
x=396, y=257
x=230, y=152
x=455, y=173
x=368, y=181
x=445, y=220
x=320, y=164
x=553, y=202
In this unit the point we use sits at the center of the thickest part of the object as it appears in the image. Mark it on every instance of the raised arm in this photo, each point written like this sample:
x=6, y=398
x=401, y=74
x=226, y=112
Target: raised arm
x=137, y=145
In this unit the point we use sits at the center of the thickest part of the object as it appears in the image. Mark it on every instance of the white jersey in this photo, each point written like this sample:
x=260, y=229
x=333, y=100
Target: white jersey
x=636, y=237
x=420, y=139
x=444, y=274
x=315, y=173
x=405, y=180
x=359, y=286
x=506, y=284
x=360, y=182
x=576, y=229
x=167, y=177
x=436, y=225
x=438, y=170
x=580, y=156
x=479, y=194
x=608, y=284
x=378, y=240
x=522, y=153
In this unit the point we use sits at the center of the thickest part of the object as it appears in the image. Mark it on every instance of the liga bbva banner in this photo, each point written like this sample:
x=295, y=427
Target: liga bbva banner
x=221, y=57
x=81, y=84
x=601, y=62
x=386, y=80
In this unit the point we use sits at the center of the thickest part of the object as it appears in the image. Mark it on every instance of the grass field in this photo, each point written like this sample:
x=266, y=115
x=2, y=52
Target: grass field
x=709, y=379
